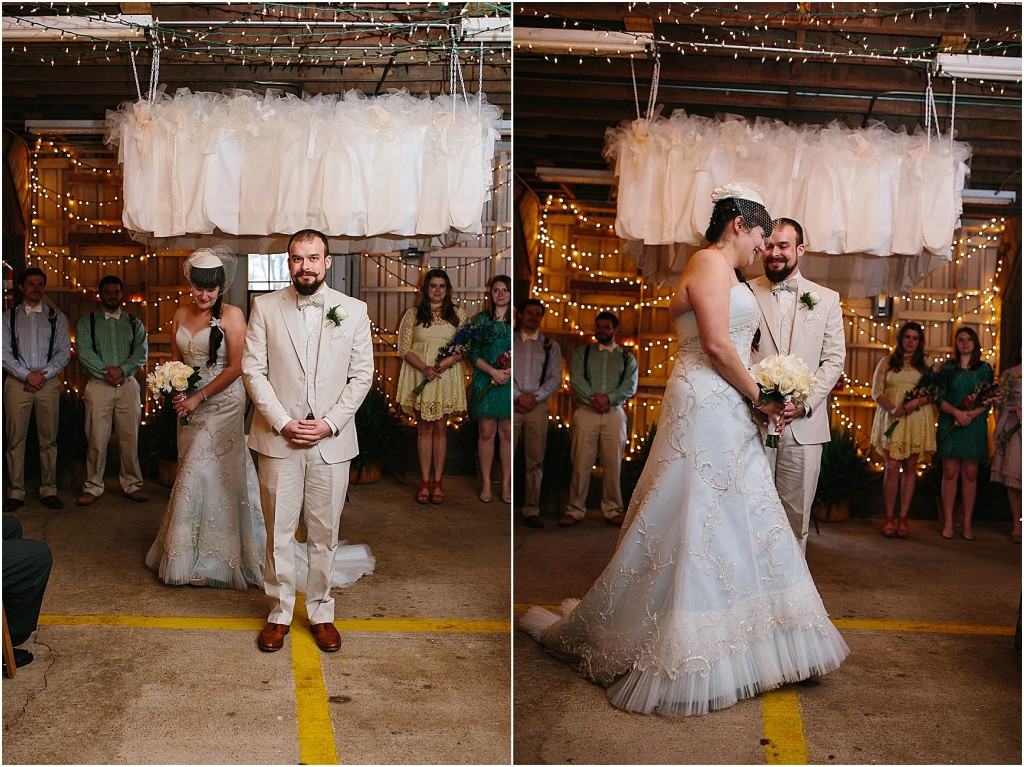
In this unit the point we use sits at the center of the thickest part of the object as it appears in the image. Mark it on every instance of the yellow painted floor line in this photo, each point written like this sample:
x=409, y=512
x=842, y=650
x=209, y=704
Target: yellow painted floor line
x=397, y=625
x=783, y=727
x=316, y=733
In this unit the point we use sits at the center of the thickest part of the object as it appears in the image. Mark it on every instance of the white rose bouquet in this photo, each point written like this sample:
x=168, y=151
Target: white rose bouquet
x=169, y=378
x=782, y=378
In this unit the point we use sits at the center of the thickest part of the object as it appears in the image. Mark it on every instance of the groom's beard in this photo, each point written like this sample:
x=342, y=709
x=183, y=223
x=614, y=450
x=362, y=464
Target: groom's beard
x=307, y=289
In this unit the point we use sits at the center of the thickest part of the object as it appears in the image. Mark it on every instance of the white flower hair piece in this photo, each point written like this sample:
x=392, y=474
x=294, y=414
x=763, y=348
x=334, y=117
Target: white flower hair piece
x=739, y=190
x=212, y=258
x=214, y=322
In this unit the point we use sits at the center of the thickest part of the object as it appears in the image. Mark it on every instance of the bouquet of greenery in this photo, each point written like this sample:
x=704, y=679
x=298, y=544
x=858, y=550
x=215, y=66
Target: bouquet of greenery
x=927, y=386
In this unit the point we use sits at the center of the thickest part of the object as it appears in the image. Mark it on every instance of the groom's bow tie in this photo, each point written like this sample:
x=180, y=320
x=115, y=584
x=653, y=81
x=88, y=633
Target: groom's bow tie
x=315, y=300
x=786, y=285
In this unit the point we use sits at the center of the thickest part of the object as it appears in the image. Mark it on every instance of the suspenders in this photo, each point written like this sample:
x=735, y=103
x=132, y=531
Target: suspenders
x=52, y=317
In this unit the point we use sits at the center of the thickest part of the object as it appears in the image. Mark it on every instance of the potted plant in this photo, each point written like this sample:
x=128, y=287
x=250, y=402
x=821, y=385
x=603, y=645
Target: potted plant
x=378, y=426
x=844, y=475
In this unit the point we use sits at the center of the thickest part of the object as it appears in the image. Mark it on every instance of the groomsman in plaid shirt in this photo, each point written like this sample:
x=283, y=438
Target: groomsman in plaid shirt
x=36, y=348
x=536, y=375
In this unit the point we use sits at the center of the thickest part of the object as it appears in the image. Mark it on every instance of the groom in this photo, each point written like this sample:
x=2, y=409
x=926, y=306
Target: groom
x=307, y=363
x=803, y=318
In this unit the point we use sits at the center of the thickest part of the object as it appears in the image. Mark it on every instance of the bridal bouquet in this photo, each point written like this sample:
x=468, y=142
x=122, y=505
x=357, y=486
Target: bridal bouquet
x=927, y=386
x=504, y=362
x=169, y=378
x=782, y=378
x=465, y=338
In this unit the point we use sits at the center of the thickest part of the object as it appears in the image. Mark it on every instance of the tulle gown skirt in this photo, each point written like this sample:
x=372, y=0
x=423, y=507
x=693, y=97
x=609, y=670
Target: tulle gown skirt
x=707, y=599
x=210, y=529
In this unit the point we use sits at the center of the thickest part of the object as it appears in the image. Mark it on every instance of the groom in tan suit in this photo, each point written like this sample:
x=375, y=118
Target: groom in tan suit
x=308, y=364
x=805, y=319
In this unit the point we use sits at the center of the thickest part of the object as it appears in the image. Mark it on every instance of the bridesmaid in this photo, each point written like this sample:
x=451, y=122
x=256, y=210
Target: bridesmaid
x=424, y=331
x=491, y=401
x=894, y=376
x=1006, y=463
x=963, y=434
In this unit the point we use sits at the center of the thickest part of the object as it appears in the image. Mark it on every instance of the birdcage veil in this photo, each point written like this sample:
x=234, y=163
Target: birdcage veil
x=748, y=196
x=201, y=261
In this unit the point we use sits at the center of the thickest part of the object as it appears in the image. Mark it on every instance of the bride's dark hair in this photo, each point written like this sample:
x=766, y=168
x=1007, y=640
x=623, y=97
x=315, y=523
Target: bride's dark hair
x=208, y=279
x=725, y=210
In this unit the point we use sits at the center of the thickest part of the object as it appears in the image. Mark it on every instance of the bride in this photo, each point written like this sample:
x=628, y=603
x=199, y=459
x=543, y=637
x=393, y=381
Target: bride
x=707, y=599
x=213, y=533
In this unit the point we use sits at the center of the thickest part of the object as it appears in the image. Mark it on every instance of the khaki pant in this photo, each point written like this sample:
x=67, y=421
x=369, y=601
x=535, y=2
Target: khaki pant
x=301, y=484
x=107, y=405
x=599, y=436
x=796, y=468
x=18, y=405
x=533, y=428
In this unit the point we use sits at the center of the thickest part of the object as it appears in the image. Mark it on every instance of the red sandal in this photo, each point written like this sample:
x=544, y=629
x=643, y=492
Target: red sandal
x=902, y=528
x=889, y=528
x=426, y=489
x=437, y=494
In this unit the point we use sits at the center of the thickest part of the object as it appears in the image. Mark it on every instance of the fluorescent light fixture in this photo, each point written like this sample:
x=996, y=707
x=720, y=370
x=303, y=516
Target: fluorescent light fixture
x=487, y=29
x=66, y=127
x=63, y=29
x=576, y=176
x=978, y=67
x=581, y=42
x=987, y=197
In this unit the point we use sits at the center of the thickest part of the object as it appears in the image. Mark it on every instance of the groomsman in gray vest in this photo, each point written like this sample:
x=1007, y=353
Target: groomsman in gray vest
x=603, y=375
x=112, y=346
x=802, y=318
x=536, y=375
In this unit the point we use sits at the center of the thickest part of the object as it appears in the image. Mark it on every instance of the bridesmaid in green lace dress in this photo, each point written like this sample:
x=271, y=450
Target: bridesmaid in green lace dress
x=491, y=397
x=963, y=434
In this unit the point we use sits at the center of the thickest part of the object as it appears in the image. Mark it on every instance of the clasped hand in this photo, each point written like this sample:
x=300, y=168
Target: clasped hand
x=306, y=433
x=185, y=406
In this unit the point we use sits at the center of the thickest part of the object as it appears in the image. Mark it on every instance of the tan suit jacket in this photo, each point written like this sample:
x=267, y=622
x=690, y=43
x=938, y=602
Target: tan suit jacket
x=817, y=338
x=274, y=371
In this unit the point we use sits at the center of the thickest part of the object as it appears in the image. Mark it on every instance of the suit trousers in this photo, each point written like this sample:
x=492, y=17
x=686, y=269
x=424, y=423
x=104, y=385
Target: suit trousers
x=532, y=427
x=18, y=405
x=301, y=484
x=26, y=570
x=107, y=405
x=599, y=436
x=796, y=468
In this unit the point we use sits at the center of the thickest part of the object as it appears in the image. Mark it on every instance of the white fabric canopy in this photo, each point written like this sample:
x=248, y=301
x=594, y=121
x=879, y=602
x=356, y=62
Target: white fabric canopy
x=350, y=165
x=858, y=193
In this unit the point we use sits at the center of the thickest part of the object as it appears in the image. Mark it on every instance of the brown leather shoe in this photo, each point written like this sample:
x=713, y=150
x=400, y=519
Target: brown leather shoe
x=139, y=496
x=326, y=636
x=86, y=499
x=569, y=520
x=271, y=639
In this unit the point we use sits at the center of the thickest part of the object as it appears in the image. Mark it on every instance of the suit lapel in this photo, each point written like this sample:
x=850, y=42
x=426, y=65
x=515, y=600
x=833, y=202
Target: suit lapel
x=769, y=308
x=326, y=330
x=801, y=310
x=292, y=323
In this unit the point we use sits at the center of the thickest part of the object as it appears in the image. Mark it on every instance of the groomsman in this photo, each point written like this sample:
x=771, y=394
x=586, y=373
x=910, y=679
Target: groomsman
x=36, y=348
x=802, y=318
x=603, y=375
x=112, y=346
x=536, y=375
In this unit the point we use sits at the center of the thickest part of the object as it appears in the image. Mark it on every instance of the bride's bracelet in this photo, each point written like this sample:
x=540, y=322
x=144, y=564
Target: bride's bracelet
x=201, y=391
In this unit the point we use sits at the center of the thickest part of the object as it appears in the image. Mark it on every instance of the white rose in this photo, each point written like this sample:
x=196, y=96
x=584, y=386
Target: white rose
x=179, y=382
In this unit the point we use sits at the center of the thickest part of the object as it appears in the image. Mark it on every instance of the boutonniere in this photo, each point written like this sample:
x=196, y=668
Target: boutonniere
x=336, y=315
x=810, y=299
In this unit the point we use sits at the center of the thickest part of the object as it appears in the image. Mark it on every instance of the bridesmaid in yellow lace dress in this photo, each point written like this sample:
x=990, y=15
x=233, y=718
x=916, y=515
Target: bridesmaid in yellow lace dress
x=914, y=434
x=425, y=329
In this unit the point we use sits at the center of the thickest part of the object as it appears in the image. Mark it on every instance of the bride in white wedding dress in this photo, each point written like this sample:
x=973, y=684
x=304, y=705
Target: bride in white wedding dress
x=213, y=533
x=707, y=599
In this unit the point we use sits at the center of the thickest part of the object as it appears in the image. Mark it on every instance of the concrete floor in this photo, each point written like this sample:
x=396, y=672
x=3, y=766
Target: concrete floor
x=933, y=676
x=130, y=671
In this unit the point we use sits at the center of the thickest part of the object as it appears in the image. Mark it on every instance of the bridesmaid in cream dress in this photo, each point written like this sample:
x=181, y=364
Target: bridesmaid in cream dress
x=424, y=330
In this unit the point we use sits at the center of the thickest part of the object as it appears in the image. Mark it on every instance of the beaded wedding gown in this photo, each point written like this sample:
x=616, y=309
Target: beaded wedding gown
x=213, y=533
x=707, y=599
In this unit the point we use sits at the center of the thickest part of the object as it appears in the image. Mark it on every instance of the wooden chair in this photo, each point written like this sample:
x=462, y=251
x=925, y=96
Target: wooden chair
x=8, y=651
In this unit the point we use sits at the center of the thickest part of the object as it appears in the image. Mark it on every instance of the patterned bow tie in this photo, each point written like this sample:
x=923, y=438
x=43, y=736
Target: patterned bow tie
x=786, y=285
x=37, y=309
x=112, y=315
x=314, y=300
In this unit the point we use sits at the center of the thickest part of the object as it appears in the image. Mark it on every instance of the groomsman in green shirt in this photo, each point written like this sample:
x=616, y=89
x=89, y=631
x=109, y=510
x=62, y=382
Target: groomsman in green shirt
x=112, y=345
x=603, y=375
